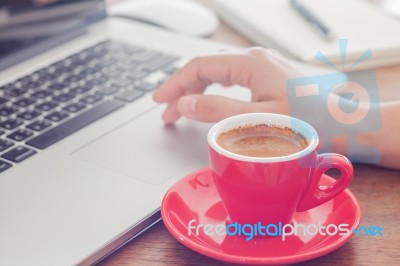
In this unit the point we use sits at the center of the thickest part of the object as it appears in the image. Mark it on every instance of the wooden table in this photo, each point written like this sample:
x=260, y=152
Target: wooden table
x=376, y=189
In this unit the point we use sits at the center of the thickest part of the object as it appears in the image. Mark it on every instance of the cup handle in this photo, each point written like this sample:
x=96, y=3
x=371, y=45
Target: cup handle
x=314, y=194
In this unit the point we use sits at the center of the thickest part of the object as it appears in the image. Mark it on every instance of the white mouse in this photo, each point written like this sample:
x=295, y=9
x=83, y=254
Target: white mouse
x=184, y=16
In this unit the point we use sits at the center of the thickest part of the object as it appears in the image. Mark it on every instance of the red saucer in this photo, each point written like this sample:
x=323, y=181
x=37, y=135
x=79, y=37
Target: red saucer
x=195, y=197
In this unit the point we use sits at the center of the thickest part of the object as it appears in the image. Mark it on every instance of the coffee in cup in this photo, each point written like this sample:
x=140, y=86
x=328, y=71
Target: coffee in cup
x=262, y=140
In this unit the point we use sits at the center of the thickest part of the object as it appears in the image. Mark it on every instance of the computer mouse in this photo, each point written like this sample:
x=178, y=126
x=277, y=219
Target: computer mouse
x=184, y=16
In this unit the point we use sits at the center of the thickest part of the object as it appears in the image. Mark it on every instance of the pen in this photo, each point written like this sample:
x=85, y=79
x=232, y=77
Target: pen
x=321, y=28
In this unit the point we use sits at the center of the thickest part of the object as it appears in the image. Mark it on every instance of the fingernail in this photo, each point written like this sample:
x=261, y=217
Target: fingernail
x=155, y=96
x=187, y=104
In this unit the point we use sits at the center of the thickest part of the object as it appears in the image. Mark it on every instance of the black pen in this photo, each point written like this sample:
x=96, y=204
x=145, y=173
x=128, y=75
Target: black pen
x=320, y=27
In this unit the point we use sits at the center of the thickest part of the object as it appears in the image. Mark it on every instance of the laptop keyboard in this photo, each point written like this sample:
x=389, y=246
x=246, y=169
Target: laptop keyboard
x=52, y=103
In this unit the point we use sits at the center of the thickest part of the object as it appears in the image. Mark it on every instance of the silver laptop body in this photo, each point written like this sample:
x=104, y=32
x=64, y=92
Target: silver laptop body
x=74, y=198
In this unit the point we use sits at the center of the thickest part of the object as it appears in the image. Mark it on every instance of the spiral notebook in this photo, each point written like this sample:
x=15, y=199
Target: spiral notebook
x=275, y=24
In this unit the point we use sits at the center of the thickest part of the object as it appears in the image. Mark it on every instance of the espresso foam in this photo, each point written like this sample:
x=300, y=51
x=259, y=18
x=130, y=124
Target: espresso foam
x=262, y=141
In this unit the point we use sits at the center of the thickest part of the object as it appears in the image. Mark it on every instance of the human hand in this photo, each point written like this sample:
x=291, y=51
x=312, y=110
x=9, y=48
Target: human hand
x=264, y=72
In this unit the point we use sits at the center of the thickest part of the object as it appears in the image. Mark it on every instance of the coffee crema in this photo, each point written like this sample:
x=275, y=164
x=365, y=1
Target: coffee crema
x=262, y=140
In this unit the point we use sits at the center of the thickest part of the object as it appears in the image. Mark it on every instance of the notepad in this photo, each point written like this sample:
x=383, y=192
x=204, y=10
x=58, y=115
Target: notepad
x=275, y=24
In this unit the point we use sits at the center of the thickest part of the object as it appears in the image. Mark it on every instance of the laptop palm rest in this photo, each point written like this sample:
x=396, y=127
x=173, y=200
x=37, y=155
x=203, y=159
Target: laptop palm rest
x=146, y=149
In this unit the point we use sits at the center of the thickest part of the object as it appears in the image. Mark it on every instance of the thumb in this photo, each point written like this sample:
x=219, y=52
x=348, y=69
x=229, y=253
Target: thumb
x=212, y=108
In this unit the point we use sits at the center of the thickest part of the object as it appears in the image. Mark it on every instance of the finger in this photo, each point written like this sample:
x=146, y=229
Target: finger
x=202, y=71
x=171, y=113
x=212, y=108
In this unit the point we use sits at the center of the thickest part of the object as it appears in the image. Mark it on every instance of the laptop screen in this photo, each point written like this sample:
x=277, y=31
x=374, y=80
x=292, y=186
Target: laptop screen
x=28, y=27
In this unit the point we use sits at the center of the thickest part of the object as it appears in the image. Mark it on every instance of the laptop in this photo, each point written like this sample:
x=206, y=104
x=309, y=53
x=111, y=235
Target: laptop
x=85, y=158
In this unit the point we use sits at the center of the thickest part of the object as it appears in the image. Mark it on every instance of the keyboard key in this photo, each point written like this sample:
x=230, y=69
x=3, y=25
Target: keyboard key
x=94, y=68
x=56, y=116
x=9, y=86
x=112, y=71
x=5, y=144
x=25, y=102
x=144, y=56
x=130, y=49
x=4, y=166
x=47, y=106
x=29, y=114
x=161, y=81
x=58, y=66
x=47, y=73
x=21, y=82
x=170, y=69
x=108, y=89
x=42, y=94
x=20, y=135
x=99, y=80
x=120, y=54
x=81, y=58
x=18, y=154
x=65, y=97
x=59, y=132
x=121, y=81
x=92, y=98
x=7, y=110
x=137, y=74
x=3, y=100
x=127, y=66
x=72, y=79
x=81, y=89
x=146, y=86
x=125, y=60
x=10, y=124
x=57, y=86
x=82, y=74
x=39, y=125
x=107, y=60
x=129, y=95
x=69, y=65
x=15, y=92
x=158, y=63
x=34, y=84
x=41, y=72
x=75, y=107
x=50, y=76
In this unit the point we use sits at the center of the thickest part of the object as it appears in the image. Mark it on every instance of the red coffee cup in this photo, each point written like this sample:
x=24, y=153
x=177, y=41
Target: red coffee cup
x=271, y=189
